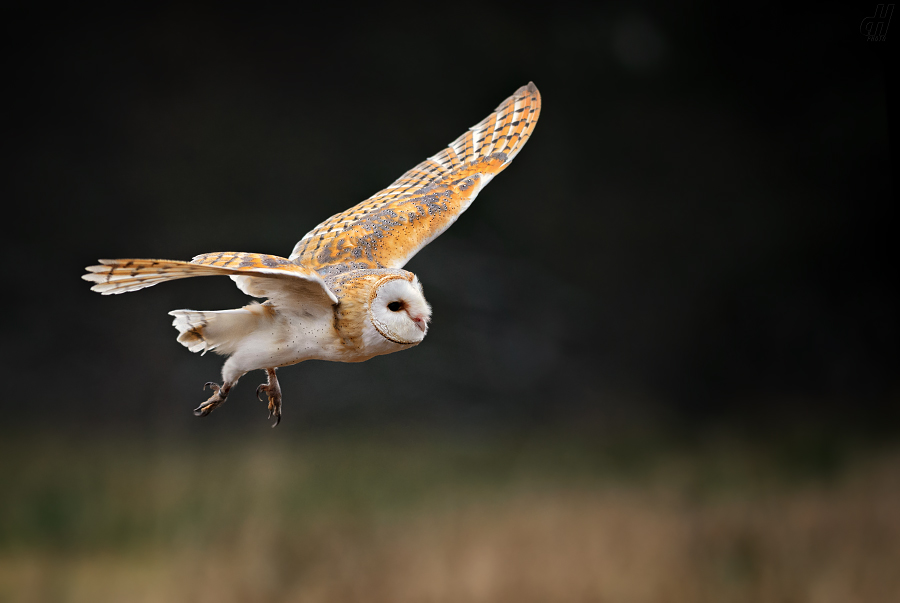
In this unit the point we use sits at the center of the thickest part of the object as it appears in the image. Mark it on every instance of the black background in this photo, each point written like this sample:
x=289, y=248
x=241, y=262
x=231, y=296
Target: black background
x=700, y=230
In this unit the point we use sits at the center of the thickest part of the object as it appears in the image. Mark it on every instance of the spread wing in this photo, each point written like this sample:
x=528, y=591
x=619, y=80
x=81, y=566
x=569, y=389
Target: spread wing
x=391, y=226
x=256, y=274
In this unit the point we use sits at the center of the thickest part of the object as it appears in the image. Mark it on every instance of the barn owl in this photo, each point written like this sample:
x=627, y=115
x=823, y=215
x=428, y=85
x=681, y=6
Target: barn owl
x=342, y=294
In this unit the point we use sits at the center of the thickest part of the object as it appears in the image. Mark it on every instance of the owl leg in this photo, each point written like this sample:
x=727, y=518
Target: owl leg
x=273, y=392
x=220, y=393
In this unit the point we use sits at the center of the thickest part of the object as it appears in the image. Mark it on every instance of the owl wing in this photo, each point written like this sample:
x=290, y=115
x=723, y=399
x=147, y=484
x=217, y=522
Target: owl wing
x=256, y=274
x=391, y=226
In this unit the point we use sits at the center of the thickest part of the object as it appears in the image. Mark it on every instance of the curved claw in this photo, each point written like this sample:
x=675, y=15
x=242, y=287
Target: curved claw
x=273, y=393
x=219, y=396
x=203, y=410
x=274, y=411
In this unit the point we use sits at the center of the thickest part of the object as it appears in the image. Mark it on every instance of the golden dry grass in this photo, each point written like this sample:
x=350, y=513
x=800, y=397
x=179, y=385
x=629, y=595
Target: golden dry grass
x=412, y=521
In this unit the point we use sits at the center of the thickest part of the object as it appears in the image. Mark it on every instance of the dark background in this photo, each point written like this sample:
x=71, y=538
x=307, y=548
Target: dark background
x=700, y=231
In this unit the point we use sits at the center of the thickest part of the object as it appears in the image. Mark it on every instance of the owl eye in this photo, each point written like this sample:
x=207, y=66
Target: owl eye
x=395, y=306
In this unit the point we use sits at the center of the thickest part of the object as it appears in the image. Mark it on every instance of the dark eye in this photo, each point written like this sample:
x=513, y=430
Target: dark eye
x=395, y=306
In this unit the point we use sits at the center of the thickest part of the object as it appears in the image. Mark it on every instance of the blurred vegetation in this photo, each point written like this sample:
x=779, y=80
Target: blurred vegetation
x=429, y=516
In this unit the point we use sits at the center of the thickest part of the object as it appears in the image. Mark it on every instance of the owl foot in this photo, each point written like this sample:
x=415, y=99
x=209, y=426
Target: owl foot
x=217, y=398
x=273, y=391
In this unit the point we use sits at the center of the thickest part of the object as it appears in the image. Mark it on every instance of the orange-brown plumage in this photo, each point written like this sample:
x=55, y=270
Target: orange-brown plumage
x=341, y=295
x=387, y=229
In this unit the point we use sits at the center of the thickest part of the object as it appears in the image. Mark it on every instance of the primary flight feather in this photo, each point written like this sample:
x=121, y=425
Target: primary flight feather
x=342, y=294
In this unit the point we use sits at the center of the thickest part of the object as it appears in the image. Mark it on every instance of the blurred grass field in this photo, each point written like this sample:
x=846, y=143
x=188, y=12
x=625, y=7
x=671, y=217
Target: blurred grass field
x=448, y=517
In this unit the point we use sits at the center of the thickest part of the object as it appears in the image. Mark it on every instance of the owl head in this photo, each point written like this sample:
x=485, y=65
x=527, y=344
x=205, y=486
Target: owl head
x=398, y=310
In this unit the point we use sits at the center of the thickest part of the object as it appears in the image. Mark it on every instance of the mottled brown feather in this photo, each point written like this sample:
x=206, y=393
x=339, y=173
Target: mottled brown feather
x=391, y=226
x=124, y=275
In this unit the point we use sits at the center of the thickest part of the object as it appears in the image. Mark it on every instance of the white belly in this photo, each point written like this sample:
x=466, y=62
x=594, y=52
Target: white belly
x=294, y=336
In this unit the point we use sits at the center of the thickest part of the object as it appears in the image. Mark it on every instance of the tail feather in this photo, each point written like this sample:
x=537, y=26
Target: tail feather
x=220, y=331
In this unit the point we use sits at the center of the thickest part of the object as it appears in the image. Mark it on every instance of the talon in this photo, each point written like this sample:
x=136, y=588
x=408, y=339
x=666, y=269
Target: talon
x=204, y=409
x=220, y=393
x=274, y=411
x=273, y=393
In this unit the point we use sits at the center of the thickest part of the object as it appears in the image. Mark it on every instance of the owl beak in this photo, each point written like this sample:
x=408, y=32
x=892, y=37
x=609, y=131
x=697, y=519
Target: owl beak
x=419, y=322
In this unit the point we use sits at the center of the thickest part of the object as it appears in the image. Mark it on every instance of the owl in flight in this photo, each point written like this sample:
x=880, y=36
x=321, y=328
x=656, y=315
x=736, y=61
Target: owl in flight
x=342, y=295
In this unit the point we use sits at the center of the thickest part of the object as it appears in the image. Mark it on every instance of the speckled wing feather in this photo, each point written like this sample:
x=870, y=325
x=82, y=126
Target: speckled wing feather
x=256, y=274
x=391, y=226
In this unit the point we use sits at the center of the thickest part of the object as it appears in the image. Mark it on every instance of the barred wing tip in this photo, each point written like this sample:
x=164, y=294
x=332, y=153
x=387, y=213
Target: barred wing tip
x=381, y=231
x=123, y=275
x=529, y=87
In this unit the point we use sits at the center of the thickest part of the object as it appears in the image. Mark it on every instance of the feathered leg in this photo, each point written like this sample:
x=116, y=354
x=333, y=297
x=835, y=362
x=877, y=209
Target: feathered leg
x=273, y=391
